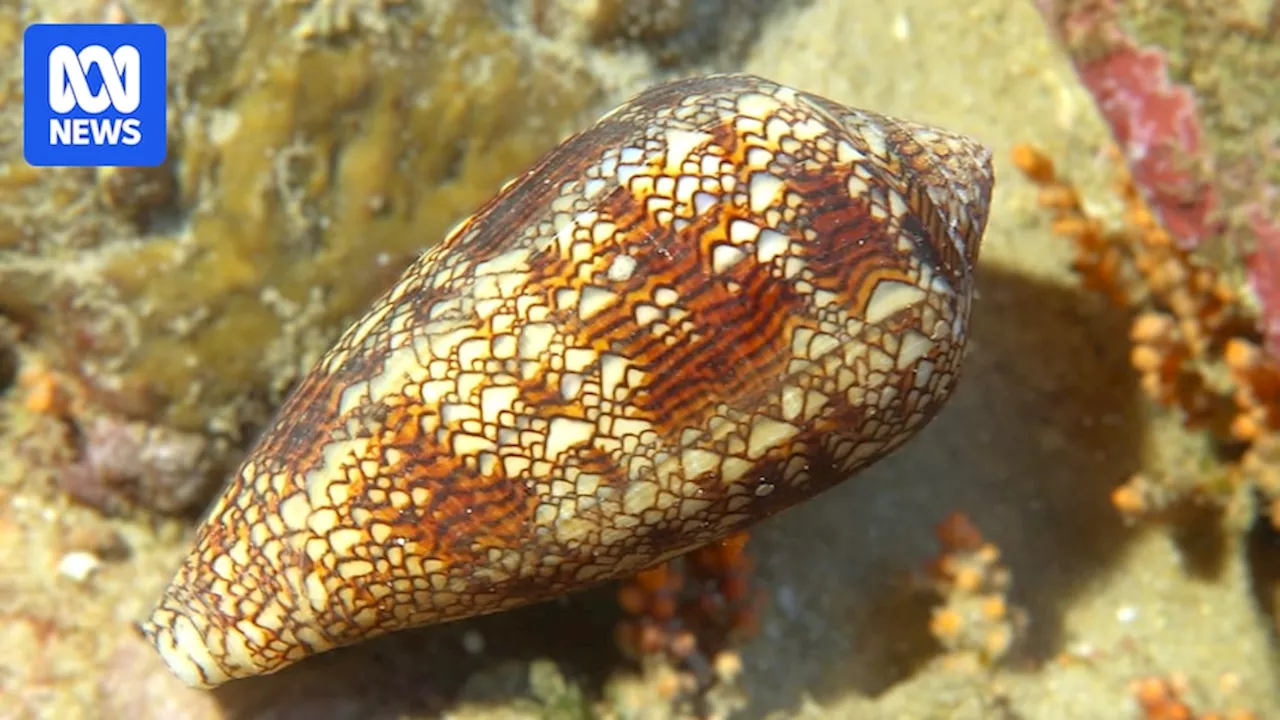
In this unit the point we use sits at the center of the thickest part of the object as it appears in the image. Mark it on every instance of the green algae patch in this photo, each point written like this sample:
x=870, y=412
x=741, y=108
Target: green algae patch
x=314, y=158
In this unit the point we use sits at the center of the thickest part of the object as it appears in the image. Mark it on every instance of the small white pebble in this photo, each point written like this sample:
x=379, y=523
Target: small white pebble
x=78, y=565
x=902, y=27
x=473, y=642
x=1083, y=650
x=1127, y=614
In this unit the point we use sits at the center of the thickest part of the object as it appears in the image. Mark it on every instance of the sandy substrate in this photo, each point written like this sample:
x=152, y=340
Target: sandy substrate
x=1047, y=420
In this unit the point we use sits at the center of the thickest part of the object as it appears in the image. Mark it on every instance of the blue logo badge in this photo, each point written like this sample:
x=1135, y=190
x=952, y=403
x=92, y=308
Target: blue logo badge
x=94, y=95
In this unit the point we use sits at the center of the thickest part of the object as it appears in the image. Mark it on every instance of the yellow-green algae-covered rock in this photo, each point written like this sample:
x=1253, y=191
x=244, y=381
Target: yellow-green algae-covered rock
x=614, y=19
x=316, y=148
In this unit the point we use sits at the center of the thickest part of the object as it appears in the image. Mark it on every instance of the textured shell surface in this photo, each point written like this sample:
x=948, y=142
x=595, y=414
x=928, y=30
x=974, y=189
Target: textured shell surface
x=724, y=297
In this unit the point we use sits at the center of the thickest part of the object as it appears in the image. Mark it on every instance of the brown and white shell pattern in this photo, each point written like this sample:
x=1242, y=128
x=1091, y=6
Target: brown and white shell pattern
x=724, y=297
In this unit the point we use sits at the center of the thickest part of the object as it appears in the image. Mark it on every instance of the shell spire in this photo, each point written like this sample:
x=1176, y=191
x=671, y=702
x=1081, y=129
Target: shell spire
x=723, y=298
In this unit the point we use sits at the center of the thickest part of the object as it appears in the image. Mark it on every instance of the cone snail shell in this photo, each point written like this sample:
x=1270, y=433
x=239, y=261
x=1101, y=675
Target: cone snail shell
x=721, y=299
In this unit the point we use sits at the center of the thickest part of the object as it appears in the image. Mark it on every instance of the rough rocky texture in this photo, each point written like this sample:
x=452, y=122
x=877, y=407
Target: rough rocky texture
x=315, y=150
x=1047, y=422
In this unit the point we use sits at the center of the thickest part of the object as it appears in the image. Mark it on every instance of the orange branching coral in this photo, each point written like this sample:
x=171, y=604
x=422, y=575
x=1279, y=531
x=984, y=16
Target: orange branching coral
x=687, y=615
x=1186, y=303
x=1098, y=256
x=1161, y=699
x=975, y=622
x=1195, y=345
x=1162, y=356
x=1256, y=376
x=1138, y=265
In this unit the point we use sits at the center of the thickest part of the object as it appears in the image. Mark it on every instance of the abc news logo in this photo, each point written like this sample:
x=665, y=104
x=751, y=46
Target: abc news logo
x=121, y=90
x=95, y=95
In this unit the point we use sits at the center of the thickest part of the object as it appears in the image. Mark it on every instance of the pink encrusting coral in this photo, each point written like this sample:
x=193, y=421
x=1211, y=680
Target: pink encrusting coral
x=1152, y=118
x=1154, y=121
x=1160, y=130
